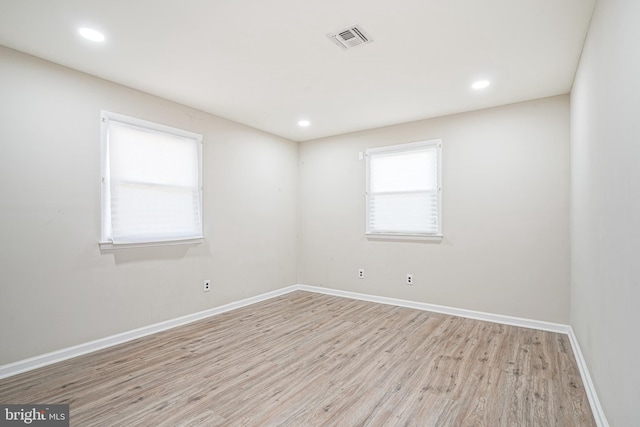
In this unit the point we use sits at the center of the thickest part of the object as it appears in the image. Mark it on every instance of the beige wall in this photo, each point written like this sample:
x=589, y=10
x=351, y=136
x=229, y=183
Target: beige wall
x=57, y=289
x=505, y=204
x=505, y=196
x=605, y=210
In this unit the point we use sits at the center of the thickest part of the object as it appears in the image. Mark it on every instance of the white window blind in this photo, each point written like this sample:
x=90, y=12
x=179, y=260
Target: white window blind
x=404, y=190
x=151, y=182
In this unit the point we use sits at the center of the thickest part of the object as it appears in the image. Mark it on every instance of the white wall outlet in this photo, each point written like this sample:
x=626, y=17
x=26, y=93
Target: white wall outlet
x=409, y=279
x=207, y=285
x=361, y=274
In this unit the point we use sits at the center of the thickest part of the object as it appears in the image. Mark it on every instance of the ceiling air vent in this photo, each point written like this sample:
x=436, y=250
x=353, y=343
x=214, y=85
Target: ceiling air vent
x=349, y=37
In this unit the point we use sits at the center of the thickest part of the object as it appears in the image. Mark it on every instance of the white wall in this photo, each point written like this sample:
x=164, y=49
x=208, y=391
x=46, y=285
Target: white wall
x=506, y=214
x=605, y=210
x=57, y=289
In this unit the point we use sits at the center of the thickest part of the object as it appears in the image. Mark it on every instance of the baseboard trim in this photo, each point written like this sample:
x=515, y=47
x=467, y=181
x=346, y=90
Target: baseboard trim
x=25, y=365
x=461, y=312
x=590, y=389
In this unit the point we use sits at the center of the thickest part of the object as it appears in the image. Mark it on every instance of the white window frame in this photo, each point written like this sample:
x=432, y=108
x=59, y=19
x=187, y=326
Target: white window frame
x=105, y=241
x=413, y=146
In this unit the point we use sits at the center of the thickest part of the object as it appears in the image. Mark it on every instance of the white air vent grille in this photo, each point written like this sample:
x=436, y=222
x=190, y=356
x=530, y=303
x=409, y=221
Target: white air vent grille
x=349, y=37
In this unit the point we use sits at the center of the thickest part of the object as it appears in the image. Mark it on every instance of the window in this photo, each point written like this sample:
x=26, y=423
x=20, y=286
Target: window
x=151, y=182
x=404, y=190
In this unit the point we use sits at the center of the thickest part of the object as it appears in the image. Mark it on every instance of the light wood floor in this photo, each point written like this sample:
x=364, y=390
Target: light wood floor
x=306, y=359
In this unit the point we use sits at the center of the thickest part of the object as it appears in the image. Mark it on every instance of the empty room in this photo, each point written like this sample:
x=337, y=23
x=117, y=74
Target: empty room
x=305, y=213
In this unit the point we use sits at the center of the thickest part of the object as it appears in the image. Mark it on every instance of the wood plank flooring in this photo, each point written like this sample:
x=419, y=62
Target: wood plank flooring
x=306, y=359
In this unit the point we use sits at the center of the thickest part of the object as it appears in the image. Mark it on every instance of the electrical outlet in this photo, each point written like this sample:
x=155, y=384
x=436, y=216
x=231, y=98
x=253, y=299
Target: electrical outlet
x=409, y=279
x=361, y=274
x=207, y=285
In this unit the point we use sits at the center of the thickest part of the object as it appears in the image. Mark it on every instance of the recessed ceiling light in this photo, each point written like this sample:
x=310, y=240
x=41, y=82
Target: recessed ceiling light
x=91, y=34
x=481, y=84
x=304, y=123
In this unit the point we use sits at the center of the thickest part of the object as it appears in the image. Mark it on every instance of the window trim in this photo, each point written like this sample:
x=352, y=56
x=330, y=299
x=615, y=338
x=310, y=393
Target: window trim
x=105, y=212
x=398, y=148
x=106, y=246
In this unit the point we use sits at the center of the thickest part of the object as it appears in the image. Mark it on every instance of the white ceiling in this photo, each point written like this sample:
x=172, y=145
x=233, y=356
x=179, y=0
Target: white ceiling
x=268, y=64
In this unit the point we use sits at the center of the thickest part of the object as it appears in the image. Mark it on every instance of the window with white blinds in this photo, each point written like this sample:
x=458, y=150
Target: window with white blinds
x=404, y=190
x=151, y=182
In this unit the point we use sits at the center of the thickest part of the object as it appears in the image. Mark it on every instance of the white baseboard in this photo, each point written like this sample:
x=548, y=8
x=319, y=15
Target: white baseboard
x=461, y=312
x=25, y=365
x=78, y=350
x=598, y=413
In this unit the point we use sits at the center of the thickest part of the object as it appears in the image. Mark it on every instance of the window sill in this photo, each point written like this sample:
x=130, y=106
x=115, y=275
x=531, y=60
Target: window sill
x=107, y=246
x=404, y=237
